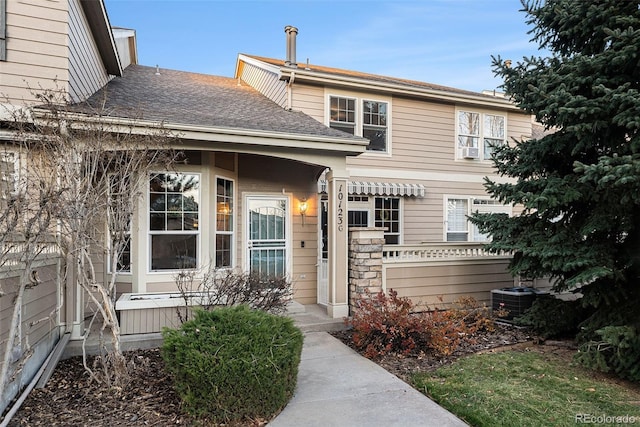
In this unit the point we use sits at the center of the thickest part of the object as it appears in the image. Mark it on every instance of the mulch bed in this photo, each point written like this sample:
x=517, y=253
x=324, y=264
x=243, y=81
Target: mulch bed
x=72, y=399
x=503, y=336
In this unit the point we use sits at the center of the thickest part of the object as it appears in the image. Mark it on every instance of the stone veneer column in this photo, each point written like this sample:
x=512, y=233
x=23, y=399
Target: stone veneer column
x=365, y=262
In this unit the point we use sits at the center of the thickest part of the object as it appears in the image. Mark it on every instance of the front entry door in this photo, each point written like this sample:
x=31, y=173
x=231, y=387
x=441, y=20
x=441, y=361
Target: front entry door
x=267, y=235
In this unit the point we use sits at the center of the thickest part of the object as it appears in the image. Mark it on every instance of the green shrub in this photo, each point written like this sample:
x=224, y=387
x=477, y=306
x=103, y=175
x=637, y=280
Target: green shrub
x=551, y=317
x=234, y=363
x=617, y=351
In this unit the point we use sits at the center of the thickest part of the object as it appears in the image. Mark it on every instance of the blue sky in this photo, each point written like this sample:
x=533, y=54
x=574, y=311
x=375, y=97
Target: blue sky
x=446, y=42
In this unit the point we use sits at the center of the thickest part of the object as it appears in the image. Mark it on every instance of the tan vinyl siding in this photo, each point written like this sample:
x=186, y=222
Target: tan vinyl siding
x=150, y=320
x=423, y=151
x=37, y=49
x=438, y=285
x=422, y=133
x=39, y=315
x=40, y=308
x=424, y=218
x=519, y=126
x=266, y=83
x=87, y=74
x=423, y=138
x=297, y=180
x=310, y=100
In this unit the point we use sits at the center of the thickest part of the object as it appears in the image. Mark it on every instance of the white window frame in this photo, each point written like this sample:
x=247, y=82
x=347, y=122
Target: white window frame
x=359, y=117
x=400, y=217
x=234, y=224
x=481, y=204
x=344, y=123
x=131, y=253
x=481, y=135
x=11, y=157
x=367, y=210
x=151, y=233
x=369, y=206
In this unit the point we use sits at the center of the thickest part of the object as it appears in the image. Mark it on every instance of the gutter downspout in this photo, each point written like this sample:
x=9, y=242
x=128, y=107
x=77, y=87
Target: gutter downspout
x=290, y=90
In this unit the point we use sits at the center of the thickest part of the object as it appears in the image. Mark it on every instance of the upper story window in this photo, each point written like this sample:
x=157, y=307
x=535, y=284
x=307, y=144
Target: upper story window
x=343, y=114
x=478, y=133
x=174, y=209
x=374, y=126
x=362, y=117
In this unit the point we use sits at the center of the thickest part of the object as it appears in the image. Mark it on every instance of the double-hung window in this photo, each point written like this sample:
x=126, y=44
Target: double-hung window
x=343, y=114
x=478, y=134
x=457, y=223
x=224, y=222
x=493, y=132
x=119, y=215
x=365, y=211
x=374, y=124
x=362, y=117
x=174, y=210
x=458, y=227
x=387, y=214
x=8, y=173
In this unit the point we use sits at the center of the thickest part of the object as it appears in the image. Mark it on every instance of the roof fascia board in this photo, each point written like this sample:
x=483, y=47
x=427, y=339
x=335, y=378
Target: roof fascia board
x=265, y=66
x=356, y=83
x=271, y=139
x=101, y=30
x=219, y=134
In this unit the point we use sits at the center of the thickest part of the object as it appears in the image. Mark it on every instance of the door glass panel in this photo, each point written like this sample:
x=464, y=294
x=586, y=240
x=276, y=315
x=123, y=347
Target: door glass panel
x=267, y=236
x=324, y=227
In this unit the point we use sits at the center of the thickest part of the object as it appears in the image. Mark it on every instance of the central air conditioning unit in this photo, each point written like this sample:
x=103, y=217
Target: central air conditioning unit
x=515, y=300
x=470, y=153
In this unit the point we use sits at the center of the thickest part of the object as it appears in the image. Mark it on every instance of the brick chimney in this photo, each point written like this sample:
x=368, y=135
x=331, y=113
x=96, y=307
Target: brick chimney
x=291, y=33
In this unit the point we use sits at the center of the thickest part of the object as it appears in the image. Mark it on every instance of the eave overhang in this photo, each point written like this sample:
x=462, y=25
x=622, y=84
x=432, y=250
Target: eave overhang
x=302, y=75
x=191, y=133
x=101, y=30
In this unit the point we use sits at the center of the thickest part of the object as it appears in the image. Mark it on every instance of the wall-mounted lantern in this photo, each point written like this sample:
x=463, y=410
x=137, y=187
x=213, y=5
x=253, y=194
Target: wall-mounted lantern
x=303, y=208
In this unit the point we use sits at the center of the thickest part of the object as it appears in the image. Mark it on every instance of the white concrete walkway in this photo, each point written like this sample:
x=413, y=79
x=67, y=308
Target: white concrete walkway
x=338, y=387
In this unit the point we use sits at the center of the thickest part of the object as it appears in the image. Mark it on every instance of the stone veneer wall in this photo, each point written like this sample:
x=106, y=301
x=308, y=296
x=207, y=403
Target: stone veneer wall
x=365, y=262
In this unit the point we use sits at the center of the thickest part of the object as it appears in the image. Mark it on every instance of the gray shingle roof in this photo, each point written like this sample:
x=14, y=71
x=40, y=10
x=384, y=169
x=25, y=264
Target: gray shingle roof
x=179, y=97
x=409, y=84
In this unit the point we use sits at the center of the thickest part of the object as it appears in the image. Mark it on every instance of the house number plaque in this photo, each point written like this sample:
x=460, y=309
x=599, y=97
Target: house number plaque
x=340, y=216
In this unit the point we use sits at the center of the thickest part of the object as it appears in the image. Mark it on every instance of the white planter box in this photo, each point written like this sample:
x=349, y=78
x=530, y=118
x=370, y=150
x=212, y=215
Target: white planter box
x=150, y=313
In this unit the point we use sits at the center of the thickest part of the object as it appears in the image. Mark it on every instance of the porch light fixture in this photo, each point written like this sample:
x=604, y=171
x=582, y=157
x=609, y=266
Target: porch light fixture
x=303, y=208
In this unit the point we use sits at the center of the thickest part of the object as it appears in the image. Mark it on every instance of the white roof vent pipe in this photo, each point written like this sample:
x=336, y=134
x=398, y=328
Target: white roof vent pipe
x=291, y=33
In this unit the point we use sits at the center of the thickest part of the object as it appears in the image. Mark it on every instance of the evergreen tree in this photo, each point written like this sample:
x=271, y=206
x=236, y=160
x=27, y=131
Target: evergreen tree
x=579, y=185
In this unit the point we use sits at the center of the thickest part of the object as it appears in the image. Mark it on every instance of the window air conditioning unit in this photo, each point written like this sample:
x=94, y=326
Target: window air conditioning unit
x=470, y=153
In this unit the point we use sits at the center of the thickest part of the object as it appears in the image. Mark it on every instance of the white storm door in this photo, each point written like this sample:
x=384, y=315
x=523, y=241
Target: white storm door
x=267, y=248
x=323, y=255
